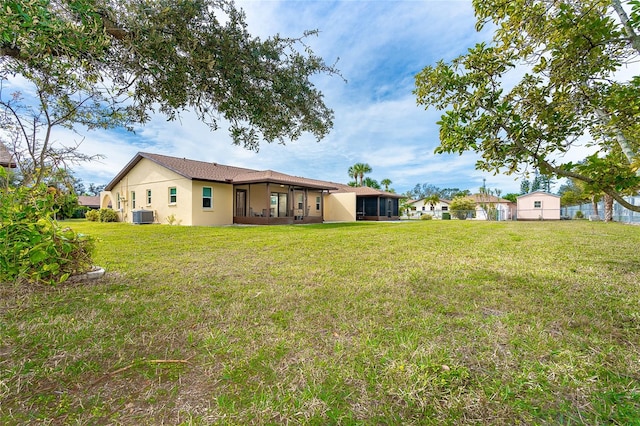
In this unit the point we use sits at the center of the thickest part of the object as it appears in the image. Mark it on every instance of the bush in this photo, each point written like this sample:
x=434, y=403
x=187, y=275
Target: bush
x=102, y=215
x=108, y=215
x=579, y=215
x=34, y=247
x=92, y=215
x=80, y=212
x=461, y=206
x=426, y=217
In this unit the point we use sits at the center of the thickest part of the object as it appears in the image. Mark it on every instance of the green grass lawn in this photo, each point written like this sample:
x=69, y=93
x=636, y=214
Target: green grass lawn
x=422, y=322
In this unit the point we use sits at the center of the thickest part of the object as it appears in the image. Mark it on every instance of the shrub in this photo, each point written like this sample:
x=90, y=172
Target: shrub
x=92, y=215
x=426, y=217
x=108, y=215
x=461, y=206
x=579, y=215
x=173, y=220
x=80, y=212
x=34, y=247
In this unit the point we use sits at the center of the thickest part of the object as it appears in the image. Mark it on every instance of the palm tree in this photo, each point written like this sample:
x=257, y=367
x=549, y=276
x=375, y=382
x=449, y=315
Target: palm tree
x=358, y=170
x=386, y=183
x=371, y=183
x=353, y=175
x=432, y=199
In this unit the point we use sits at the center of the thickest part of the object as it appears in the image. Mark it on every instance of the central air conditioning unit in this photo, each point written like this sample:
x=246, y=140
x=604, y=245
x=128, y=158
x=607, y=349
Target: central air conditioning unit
x=141, y=217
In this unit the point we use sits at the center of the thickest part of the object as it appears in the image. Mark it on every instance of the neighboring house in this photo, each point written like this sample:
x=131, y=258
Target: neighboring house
x=490, y=207
x=91, y=202
x=160, y=189
x=539, y=205
x=420, y=207
x=6, y=159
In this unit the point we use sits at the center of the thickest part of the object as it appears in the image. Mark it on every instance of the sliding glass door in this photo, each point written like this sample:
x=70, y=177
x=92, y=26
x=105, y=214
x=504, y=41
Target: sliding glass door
x=278, y=204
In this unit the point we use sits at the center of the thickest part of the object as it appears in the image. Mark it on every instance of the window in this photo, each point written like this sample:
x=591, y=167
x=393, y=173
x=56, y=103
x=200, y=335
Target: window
x=173, y=195
x=148, y=197
x=424, y=208
x=445, y=208
x=207, y=197
x=133, y=199
x=432, y=207
x=118, y=200
x=317, y=203
x=300, y=201
x=537, y=204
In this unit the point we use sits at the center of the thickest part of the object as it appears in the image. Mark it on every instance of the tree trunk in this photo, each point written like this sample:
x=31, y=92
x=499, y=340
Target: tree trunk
x=608, y=208
x=634, y=39
x=594, y=206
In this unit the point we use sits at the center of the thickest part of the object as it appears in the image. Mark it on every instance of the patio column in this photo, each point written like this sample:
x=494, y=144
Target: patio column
x=268, y=202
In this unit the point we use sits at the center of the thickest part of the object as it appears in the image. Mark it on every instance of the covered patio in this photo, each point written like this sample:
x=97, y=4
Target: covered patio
x=272, y=198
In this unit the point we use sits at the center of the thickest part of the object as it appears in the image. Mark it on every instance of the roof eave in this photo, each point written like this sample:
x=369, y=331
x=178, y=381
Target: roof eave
x=283, y=182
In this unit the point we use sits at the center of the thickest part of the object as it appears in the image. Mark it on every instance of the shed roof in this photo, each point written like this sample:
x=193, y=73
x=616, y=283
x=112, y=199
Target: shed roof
x=538, y=193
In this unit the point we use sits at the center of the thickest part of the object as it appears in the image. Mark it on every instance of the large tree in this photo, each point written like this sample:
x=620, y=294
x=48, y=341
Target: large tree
x=112, y=63
x=577, y=89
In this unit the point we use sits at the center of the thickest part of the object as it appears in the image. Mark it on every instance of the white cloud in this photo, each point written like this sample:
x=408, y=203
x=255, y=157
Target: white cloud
x=381, y=45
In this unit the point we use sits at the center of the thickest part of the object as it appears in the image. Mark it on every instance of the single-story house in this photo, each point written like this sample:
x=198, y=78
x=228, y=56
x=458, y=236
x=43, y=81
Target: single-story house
x=6, y=159
x=155, y=188
x=490, y=207
x=419, y=207
x=539, y=205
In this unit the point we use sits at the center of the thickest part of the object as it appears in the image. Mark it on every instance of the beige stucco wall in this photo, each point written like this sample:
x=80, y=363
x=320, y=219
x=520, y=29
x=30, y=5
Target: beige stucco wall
x=147, y=175
x=221, y=212
x=549, y=209
x=258, y=198
x=311, y=203
x=340, y=207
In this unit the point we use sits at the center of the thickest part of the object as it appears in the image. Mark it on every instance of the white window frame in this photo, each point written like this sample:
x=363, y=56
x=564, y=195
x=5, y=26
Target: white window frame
x=175, y=195
x=537, y=204
x=148, y=197
x=133, y=200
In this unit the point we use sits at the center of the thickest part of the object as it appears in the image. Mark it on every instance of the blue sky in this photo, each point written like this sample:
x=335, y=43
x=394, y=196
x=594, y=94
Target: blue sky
x=380, y=46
